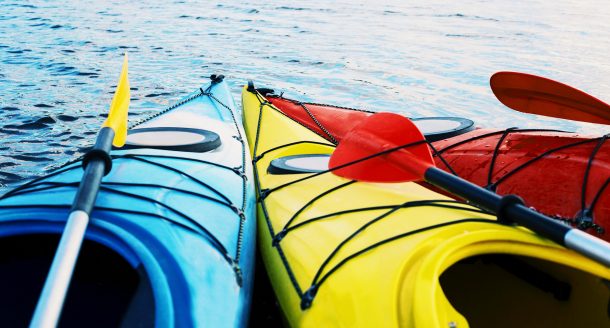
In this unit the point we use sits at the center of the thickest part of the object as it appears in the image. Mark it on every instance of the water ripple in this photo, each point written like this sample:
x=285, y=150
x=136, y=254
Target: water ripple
x=59, y=61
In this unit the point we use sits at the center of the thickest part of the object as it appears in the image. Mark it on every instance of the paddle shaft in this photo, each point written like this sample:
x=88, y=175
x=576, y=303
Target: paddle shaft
x=574, y=239
x=56, y=286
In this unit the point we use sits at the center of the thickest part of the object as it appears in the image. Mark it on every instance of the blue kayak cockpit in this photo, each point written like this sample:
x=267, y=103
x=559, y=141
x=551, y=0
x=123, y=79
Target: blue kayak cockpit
x=106, y=289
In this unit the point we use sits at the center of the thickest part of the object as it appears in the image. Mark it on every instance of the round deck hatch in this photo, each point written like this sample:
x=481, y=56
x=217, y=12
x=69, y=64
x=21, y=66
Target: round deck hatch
x=438, y=128
x=306, y=163
x=173, y=138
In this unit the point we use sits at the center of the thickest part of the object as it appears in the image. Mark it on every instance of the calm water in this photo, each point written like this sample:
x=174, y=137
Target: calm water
x=60, y=60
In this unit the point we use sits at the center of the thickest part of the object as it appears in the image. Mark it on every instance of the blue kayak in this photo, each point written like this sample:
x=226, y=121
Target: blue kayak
x=172, y=236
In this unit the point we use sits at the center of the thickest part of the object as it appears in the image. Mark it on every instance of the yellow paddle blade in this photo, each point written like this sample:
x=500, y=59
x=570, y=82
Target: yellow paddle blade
x=117, y=116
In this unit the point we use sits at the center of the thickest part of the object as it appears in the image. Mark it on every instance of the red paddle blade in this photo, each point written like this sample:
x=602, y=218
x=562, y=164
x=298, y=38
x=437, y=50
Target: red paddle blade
x=538, y=95
x=378, y=133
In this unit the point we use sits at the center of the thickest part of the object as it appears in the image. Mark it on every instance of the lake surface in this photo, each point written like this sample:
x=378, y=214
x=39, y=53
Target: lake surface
x=60, y=60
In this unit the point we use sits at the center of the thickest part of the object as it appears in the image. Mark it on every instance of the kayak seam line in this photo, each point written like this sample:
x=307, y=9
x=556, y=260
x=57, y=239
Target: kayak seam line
x=212, y=189
x=261, y=200
x=219, y=246
x=240, y=138
x=280, y=251
x=323, y=105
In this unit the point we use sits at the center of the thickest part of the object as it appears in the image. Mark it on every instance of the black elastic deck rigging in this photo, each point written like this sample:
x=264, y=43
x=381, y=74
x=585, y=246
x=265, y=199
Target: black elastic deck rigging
x=583, y=220
x=321, y=276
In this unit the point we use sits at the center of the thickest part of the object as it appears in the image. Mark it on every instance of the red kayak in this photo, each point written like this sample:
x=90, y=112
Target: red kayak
x=561, y=174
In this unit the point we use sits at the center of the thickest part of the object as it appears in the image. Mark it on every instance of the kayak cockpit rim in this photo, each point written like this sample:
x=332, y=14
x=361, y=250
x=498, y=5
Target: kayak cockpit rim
x=490, y=278
x=113, y=260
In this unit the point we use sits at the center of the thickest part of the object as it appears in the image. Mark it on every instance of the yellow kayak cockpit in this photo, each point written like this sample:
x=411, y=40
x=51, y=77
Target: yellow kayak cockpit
x=492, y=277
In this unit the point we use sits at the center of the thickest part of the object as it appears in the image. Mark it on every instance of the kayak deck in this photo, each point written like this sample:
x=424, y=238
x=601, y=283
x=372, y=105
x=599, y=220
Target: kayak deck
x=182, y=221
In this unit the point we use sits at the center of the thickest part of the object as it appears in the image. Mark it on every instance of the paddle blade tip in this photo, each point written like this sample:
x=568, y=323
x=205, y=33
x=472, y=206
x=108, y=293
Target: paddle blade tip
x=528, y=93
x=117, y=116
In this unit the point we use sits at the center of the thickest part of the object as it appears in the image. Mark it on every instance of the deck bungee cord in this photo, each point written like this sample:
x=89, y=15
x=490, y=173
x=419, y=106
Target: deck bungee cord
x=42, y=185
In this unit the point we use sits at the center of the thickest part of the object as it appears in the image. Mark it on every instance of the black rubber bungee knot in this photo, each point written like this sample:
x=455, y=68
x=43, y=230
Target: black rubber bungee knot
x=308, y=297
x=238, y=275
x=263, y=194
x=505, y=202
x=278, y=237
x=237, y=210
x=491, y=187
x=584, y=220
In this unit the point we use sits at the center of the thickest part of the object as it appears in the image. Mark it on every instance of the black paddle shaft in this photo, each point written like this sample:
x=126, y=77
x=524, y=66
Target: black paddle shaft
x=97, y=163
x=507, y=208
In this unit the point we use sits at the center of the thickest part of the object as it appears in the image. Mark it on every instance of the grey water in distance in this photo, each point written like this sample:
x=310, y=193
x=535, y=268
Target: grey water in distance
x=60, y=60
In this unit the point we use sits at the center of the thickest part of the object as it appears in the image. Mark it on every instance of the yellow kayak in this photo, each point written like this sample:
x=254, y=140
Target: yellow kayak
x=343, y=253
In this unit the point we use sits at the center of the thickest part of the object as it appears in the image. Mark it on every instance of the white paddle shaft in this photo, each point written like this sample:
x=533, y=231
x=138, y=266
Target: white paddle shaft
x=55, y=288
